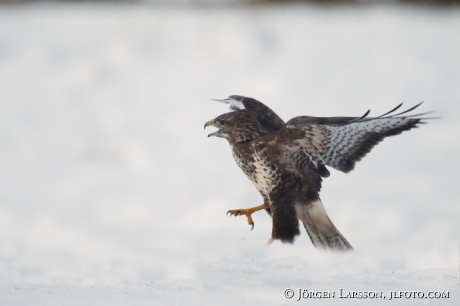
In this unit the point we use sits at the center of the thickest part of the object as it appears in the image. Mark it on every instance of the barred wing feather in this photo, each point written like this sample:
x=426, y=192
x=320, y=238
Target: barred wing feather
x=340, y=142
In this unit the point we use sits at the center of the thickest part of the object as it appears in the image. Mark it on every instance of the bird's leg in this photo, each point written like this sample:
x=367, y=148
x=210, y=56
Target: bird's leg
x=248, y=212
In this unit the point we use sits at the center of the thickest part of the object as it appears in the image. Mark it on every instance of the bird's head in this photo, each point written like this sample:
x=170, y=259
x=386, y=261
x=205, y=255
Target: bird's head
x=235, y=126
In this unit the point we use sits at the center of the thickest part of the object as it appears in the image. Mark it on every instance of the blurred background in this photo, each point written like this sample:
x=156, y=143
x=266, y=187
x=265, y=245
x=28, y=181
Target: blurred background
x=107, y=175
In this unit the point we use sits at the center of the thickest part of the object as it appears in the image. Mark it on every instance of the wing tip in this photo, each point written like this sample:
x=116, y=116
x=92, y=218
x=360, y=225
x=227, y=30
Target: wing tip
x=235, y=105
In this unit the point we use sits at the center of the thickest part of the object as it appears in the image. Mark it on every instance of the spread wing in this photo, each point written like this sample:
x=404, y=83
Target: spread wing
x=340, y=142
x=267, y=118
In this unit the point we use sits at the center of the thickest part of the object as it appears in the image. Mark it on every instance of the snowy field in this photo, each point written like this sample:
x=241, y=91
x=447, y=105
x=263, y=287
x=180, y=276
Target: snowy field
x=111, y=193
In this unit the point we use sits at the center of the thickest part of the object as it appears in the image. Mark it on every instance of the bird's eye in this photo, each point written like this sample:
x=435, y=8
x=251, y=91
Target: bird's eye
x=222, y=122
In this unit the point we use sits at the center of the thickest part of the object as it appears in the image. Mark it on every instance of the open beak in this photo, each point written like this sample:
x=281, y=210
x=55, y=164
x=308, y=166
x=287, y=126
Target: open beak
x=210, y=123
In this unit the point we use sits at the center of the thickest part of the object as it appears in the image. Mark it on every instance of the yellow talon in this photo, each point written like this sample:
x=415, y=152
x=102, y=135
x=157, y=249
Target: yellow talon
x=248, y=212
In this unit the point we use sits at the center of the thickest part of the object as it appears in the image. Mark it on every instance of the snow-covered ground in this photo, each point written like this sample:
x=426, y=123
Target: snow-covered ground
x=111, y=193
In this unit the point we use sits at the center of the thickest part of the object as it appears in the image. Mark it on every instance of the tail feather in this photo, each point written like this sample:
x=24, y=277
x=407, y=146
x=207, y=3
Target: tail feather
x=322, y=232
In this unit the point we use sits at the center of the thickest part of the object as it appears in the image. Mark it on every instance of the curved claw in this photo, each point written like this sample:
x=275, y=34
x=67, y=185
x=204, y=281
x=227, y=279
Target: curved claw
x=228, y=212
x=247, y=212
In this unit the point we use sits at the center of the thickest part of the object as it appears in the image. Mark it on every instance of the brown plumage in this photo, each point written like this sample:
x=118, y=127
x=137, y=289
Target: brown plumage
x=287, y=161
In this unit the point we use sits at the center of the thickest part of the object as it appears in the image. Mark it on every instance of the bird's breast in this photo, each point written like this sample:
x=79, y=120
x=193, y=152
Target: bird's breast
x=262, y=173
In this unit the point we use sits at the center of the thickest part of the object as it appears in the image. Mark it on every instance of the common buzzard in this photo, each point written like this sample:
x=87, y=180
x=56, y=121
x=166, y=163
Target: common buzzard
x=287, y=161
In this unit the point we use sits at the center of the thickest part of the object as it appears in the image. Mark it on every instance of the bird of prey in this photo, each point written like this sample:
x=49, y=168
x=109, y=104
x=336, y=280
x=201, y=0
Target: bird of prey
x=287, y=161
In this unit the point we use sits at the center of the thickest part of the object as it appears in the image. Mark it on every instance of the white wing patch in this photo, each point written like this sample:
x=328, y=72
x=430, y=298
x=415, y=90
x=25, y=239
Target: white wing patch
x=234, y=104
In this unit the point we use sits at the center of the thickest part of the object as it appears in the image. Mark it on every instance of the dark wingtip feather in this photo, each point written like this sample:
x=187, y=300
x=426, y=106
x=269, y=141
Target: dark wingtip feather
x=393, y=110
x=422, y=114
x=406, y=111
x=363, y=116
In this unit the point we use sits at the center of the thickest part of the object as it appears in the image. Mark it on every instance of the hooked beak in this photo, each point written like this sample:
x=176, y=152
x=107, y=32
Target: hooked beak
x=210, y=123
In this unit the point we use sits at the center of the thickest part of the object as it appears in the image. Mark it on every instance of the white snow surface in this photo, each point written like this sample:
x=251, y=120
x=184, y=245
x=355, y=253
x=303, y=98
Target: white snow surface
x=111, y=193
